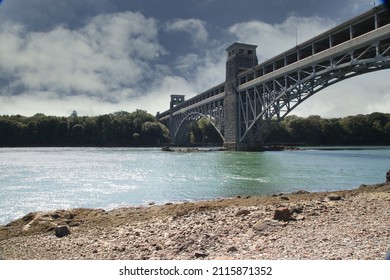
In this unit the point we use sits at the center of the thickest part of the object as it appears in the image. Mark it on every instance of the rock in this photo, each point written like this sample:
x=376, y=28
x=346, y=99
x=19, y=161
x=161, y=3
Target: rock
x=260, y=226
x=55, y=216
x=301, y=192
x=284, y=198
x=282, y=214
x=119, y=249
x=277, y=194
x=62, y=231
x=200, y=255
x=243, y=212
x=388, y=177
x=70, y=216
x=265, y=227
x=29, y=217
x=334, y=197
x=232, y=249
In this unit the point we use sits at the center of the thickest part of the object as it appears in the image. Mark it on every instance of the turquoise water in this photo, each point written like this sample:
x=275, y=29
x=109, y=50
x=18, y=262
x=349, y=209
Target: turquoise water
x=38, y=179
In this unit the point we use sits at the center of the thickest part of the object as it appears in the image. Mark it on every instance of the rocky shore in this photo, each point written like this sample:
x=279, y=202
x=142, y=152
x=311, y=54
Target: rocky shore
x=352, y=224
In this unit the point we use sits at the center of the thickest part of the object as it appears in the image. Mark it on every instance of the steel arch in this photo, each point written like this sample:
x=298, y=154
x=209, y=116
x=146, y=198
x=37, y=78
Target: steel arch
x=259, y=104
x=187, y=120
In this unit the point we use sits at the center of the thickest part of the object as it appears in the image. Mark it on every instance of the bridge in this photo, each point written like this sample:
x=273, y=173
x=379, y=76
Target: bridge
x=242, y=107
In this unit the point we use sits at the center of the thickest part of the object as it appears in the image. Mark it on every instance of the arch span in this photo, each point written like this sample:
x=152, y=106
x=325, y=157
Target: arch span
x=187, y=121
x=277, y=96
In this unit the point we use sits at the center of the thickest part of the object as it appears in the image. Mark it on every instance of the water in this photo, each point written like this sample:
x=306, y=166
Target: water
x=38, y=179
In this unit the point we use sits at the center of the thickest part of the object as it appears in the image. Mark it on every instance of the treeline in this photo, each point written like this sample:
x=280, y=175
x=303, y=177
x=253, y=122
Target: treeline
x=203, y=132
x=138, y=128
x=372, y=129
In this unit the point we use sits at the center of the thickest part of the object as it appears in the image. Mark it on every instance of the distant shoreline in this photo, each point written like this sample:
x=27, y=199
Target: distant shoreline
x=217, y=147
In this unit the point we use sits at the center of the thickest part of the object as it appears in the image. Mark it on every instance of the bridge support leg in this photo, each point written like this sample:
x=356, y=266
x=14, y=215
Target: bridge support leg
x=240, y=58
x=231, y=146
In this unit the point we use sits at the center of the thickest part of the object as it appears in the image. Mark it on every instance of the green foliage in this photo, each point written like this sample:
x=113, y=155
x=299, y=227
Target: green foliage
x=117, y=129
x=372, y=129
x=204, y=131
x=154, y=132
x=141, y=128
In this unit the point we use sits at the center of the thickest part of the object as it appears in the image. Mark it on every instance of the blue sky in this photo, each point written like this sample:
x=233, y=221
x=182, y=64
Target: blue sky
x=102, y=56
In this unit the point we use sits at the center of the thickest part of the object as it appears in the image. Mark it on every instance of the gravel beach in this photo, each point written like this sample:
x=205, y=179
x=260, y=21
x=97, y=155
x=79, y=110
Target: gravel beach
x=352, y=224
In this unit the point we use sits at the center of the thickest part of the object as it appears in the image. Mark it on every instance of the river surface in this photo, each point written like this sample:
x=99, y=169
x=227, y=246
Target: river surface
x=40, y=179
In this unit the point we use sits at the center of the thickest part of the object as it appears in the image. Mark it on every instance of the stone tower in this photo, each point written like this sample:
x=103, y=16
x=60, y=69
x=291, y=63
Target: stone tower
x=240, y=57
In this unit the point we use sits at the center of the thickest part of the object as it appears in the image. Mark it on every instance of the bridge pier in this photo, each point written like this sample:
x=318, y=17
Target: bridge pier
x=240, y=57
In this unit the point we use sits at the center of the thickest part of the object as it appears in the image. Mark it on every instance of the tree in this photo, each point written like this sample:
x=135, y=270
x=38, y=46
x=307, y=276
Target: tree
x=10, y=132
x=77, y=133
x=154, y=133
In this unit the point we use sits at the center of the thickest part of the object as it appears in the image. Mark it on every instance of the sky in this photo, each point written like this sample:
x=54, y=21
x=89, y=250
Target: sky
x=102, y=56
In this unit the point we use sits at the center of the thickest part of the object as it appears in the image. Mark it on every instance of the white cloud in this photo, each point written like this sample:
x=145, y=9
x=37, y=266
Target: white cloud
x=203, y=70
x=196, y=28
x=363, y=94
x=273, y=39
x=156, y=99
x=106, y=59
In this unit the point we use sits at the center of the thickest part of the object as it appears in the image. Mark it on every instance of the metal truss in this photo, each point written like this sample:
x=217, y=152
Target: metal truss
x=214, y=111
x=276, y=97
